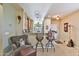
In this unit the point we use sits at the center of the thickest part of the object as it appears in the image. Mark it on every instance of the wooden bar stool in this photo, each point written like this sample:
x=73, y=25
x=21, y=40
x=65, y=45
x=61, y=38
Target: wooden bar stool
x=49, y=43
x=39, y=38
x=50, y=37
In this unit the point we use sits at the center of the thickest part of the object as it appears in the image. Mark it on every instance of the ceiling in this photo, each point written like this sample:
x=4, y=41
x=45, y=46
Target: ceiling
x=62, y=9
x=49, y=9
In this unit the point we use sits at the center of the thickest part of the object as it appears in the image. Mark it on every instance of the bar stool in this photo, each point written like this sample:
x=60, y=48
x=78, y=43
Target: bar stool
x=39, y=38
x=50, y=41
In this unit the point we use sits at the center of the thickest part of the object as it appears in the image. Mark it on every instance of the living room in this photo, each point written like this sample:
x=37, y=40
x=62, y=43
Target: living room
x=33, y=20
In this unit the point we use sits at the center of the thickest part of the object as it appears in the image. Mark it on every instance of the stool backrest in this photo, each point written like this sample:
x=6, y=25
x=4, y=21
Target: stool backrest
x=39, y=36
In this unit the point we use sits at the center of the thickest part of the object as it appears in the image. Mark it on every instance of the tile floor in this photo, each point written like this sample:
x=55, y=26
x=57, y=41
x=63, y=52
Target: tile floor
x=60, y=50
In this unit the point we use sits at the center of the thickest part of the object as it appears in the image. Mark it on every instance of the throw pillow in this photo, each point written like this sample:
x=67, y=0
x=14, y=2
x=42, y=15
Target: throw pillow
x=22, y=42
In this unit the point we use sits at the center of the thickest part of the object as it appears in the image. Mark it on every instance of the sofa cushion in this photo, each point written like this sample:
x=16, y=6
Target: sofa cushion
x=27, y=52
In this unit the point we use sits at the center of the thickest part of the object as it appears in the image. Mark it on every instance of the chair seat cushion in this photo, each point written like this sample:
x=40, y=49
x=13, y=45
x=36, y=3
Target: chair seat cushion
x=27, y=52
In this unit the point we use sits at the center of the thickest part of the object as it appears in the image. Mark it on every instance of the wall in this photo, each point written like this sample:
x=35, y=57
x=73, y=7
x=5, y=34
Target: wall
x=50, y=22
x=9, y=24
x=72, y=19
x=47, y=22
x=19, y=27
x=57, y=24
x=1, y=18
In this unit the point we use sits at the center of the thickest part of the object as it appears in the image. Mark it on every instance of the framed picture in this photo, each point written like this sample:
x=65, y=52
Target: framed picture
x=65, y=27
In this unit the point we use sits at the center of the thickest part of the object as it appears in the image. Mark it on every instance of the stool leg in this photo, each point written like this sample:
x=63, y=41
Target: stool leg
x=53, y=46
x=37, y=45
x=47, y=45
x=42, y=46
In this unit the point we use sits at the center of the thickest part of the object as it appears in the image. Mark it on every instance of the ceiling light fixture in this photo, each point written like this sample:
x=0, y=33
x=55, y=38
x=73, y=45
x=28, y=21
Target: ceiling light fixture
x=37, y=14
x=57, y=17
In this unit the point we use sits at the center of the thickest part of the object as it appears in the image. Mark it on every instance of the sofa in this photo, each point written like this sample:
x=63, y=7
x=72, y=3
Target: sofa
x=26, y=50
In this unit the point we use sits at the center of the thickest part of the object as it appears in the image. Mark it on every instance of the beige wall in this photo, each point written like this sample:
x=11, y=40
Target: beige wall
x=72, y=19
x=50, y=21
x=9, y=24
x=57, y=22
x=47, y=22
x=19, y=28
x=1, y=17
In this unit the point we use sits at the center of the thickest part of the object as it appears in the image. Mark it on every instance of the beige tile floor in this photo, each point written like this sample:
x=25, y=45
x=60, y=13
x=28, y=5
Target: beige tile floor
x=60, y=50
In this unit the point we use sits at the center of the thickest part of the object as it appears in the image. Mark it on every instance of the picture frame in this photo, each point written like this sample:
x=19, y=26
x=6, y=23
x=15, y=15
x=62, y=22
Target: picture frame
x=65, y=27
